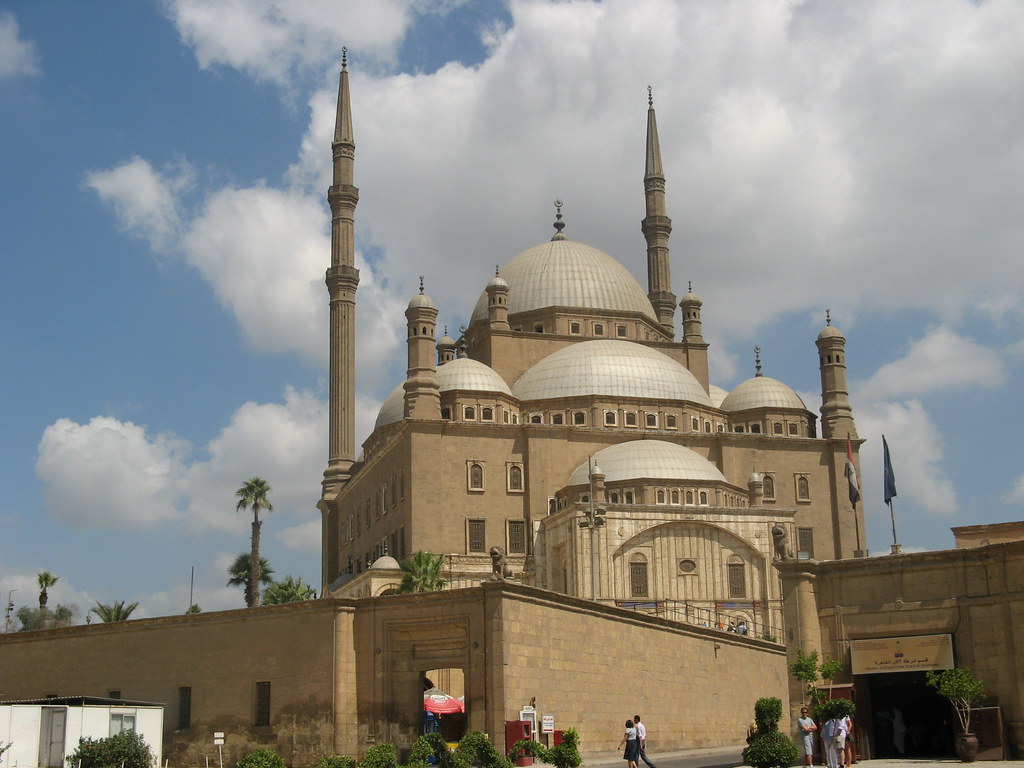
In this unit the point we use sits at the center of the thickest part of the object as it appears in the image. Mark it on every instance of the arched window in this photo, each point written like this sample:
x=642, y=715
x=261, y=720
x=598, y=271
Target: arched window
x=629, y=497
x=515, y=418
x=670, y=422
x=557, y=418
x=613, y=497
x=660, y=496
x=695, y=425
x=675, y=496
x=803, y=489
x=755, y=428
x=620, y=331
x=469, y=413
x=579, y=418
x=737, y=580
x=638, y=576
x=689, y=498
x=703, y=498
x=446, y=413
x=574, y=327
x=536, y=418
x=776, y=427
x=769, y=486
x=598, y=329
x=476, y=477
x=707, y=426
x=609, y=418
x=651, y=419
x=738, y=428
x=487, y=414
x=630, y=419
x=721, y=427
x=515, y=478
x=794, y=428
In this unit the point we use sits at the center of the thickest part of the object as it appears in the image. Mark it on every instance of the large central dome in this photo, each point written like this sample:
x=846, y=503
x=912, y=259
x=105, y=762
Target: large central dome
x=563, y=273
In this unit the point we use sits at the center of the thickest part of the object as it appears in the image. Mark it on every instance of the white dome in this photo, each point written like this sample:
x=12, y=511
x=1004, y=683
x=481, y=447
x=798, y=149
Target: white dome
x=717, y=395
x=618, y=369
x=762, y=392
x=650, y=459
x=421, y=300
x=563, y=273
x=385, y=563
x=463, y=373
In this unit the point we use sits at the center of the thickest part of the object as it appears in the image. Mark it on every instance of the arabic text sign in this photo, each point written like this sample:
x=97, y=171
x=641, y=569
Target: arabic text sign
x=901, y=654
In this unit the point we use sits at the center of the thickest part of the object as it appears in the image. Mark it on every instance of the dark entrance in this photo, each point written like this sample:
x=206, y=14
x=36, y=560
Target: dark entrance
x=908, y=718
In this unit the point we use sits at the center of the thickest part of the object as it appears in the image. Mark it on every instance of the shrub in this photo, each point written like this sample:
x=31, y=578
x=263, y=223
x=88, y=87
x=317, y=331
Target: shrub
x=336, y=761
x=476, y=749
x=834, y=708
x=567, y=754
x=261, y=758
x=770, y=750
x=380, y=756
x=126, y=748
x=767, y=713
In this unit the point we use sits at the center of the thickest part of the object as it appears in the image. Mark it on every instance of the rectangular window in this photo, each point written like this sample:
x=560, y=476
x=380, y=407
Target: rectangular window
x=113, y=694
x=737, y=580
x=638, y=579
x=477, y=535
x=184, y=708
x=517, y=537
x=805, y=543
x=121, y=721
x=262, y=714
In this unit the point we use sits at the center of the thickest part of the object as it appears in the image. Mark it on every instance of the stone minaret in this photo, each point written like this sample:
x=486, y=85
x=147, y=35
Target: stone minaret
x=656, y=228
x=836, y=413
x=693, y=339
x=422, y=388
x=342, y=281
x=497, y=303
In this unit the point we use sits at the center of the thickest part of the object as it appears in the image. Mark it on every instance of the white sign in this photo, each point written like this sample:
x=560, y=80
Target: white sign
x=218, y=738
x=547, y=723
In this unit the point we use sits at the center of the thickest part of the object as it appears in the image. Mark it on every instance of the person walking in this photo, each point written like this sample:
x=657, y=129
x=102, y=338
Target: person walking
x=641, y=740
x=807, y=729
x=632, y=744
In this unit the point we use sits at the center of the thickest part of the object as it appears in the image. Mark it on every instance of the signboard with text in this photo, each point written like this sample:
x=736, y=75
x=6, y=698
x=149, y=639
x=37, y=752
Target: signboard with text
x=901, y=654
x=547, y=724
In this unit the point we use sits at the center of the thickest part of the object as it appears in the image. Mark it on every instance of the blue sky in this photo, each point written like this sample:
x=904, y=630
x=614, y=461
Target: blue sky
x=164, y=237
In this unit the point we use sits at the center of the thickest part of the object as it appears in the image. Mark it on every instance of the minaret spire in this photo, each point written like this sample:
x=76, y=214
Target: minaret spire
x=657, y=227
x=342, y=281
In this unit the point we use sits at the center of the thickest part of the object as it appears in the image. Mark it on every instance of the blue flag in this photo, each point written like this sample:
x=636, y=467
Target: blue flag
x=888, y=480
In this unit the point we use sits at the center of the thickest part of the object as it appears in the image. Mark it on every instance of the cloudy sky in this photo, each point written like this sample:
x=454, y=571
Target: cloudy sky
x=164, y=238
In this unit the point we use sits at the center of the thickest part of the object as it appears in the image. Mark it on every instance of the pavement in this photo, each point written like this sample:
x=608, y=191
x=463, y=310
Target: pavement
x=729, y=757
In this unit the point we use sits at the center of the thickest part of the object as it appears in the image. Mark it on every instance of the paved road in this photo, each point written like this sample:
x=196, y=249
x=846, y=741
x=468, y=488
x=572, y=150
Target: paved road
x=729, y=757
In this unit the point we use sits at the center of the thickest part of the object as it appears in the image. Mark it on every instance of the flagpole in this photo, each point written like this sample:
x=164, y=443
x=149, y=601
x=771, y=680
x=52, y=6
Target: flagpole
x=896, y=548
x=889, y=493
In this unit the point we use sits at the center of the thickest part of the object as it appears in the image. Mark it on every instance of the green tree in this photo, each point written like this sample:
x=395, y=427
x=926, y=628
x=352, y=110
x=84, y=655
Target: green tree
x=288, y=590
x=46, y=580
x=768, y=747
x=43, y=618
x=239, y=571
x=125, y=749
x=962, y=688
x=253, y=495
x=421, y=572
x=115, y=612
x=194, y=608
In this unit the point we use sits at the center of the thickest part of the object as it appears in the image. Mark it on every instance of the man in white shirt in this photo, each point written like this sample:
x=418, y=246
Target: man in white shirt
x=641, y=737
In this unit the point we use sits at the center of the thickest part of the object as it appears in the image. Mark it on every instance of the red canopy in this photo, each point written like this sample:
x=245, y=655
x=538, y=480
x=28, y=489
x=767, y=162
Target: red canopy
x=441, y=703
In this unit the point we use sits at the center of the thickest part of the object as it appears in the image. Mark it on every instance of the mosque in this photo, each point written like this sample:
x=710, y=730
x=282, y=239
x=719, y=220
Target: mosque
x=572, y=427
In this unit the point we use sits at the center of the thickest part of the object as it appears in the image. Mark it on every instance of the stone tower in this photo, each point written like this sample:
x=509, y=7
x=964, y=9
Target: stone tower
x=657, y=227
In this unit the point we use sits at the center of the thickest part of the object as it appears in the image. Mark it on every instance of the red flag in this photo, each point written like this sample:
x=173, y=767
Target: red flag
x=851, y=474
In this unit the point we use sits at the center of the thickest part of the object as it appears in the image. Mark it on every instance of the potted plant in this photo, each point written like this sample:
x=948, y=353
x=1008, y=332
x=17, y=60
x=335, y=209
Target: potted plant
x=963, y=689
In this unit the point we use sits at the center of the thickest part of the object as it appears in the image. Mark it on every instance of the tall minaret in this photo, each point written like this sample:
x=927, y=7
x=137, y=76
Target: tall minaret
x=342, y=281
x=657, y=227
x=836, y=413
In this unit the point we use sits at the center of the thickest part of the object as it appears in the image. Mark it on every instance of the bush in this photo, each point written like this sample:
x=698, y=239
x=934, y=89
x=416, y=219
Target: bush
x=834, y=708
x=767, y=713
x=261, y=758
x=380, y=756
x=770, y=750
x=126, y=748
x=476, y=749
x=336, y=761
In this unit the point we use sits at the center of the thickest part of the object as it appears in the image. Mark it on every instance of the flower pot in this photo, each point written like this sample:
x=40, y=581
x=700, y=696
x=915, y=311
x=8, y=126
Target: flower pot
x=966, y=747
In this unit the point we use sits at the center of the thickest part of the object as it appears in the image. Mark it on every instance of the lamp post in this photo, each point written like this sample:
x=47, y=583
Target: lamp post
x=593, y=520
x=8, y=611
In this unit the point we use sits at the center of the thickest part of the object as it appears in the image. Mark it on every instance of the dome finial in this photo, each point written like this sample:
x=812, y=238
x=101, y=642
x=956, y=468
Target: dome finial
x=689, y=285
x=650, y=97
x=559, y=224
x=344, y=57
x=828, y=317
x=757, y=360
x=496, y=270
x=421, y=285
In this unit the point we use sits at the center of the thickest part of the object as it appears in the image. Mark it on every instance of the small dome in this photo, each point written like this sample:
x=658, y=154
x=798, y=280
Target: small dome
x=651, y=460
x=717, y=395
x=385, y=563
x=564, y=273
x=462, y=373
x=497, y=282
x=420, y=301
x=755, y=477
x=446, y=341
x=690, y=298
x=829, y=331
x=762, y=392
x=611, y=368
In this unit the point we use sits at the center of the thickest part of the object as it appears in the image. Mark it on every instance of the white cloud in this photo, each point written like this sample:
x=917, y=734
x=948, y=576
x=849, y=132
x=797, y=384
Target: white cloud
x=109, y=474
x=302, y=538
x=918, y=451
x=941, y=361
x=17, y=56
x=1016, y=494
x=144, y=200
x=271, y=39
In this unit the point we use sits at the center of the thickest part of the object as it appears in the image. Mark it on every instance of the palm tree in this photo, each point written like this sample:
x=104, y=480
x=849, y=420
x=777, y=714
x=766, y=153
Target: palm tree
x=239, y=573
x=116, y=612
x=421, y=573
x=288, y=590
x=253, y=495
x=46, y=580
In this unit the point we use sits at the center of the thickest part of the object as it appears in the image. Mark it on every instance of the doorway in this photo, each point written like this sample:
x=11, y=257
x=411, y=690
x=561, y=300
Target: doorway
x=51, y=736
x=908, y=717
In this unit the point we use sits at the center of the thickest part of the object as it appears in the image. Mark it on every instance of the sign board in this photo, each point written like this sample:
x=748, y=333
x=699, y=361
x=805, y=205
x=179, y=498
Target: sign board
x=547, y=723
x=218, y=738
x=915, y=653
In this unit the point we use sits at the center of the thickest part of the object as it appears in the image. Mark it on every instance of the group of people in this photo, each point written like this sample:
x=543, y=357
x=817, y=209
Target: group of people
x=836, y=740
x=635, y=739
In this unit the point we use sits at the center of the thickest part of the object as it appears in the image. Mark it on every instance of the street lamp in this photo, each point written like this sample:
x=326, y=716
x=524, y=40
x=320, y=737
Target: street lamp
x=593, y=520
x=8, y=611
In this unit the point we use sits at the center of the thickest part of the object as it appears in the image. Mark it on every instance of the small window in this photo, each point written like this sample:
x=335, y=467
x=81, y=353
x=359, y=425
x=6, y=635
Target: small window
x=579, y=418
x=476, y=477
x=721, y=427
x=515, y=478
x=121, y=721
x=651, y=419
x=805, y=543
x=598, y=329
x=769, y=487
x=262, y=714
x=613, y=497
x=738, y=428
x=670, y=422
x=504, y=416
x=609, y=418
x=755, y=428
x=515, y=418
x=476, y=535
x=803, y=489
x=794, y=428
x=486, y=414
x=675, y=496
x=469, y=413
x=629, y=497
x=776, y=427
x=620, y=331
x=703, y=498
x=689, y=498
x=707, y=426
x=638, y=579
x=574, y=327
x=539, y=328
x=695, y=425
x=737, y=581
x=660, y=496
x=630, y=419
x=184, y=708
x=517, y=537
x=536, y=418
x=557, y=418
x=687, y=566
